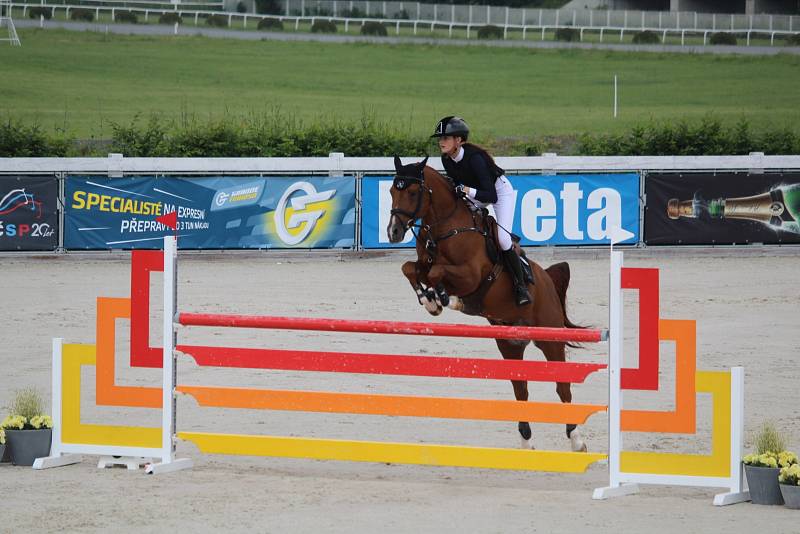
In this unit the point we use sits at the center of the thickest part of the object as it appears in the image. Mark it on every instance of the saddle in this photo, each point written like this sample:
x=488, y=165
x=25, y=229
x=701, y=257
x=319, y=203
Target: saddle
x=490, y=228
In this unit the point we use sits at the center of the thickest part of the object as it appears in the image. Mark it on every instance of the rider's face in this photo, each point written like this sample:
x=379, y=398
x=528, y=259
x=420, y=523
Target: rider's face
x=449, y=144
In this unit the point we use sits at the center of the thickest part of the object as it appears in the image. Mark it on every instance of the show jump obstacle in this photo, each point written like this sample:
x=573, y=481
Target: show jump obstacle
x=155, y=447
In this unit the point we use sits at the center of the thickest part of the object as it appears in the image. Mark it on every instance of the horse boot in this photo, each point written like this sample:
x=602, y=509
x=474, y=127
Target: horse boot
x=521, y=294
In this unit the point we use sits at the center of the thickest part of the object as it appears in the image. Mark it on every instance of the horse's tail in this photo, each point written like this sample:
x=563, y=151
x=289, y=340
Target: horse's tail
x=559, y=273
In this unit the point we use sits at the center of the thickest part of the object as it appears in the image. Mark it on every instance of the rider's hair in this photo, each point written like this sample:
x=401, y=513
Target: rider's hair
x=483, y=151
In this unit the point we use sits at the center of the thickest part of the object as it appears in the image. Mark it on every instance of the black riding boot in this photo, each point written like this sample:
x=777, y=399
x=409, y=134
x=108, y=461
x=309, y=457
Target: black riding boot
x=521, y=294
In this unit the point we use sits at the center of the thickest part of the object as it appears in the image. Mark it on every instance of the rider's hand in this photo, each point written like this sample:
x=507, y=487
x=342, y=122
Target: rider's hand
x=462, y=190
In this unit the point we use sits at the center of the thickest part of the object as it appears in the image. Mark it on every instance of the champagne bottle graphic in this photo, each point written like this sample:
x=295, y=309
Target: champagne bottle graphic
x=779, y=207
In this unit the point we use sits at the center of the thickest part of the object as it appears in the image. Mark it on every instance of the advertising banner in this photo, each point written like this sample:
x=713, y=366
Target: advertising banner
x=722, y=209
x=28, y=213
x=213, y=213
x=568, y=209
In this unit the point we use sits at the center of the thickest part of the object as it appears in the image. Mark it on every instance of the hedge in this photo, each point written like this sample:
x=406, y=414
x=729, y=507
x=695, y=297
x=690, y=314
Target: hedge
x=280, y=135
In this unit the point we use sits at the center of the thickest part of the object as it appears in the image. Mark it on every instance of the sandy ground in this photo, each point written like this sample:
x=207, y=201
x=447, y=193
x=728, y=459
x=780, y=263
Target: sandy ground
x=745, y=303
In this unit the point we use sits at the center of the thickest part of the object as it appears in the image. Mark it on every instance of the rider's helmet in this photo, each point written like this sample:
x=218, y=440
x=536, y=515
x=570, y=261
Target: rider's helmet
x=451, y=125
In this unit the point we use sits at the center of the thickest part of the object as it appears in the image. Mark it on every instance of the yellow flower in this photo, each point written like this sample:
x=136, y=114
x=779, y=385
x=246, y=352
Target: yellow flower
x=41, y=421
x=790, y=475
x=786, y=458
x=2, y=436
x=14, y=421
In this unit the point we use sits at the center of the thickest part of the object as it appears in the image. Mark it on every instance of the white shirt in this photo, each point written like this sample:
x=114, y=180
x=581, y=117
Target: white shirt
x=459, y=156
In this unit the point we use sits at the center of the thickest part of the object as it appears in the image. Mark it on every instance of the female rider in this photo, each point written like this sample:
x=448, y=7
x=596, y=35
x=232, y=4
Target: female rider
x=478, y=177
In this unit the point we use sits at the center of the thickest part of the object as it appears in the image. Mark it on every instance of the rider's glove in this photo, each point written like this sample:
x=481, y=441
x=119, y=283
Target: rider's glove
x=461, y=190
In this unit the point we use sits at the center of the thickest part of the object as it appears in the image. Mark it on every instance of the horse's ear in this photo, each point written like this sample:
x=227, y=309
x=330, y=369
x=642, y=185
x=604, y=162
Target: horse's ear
x=398, y=165
x=423, y=162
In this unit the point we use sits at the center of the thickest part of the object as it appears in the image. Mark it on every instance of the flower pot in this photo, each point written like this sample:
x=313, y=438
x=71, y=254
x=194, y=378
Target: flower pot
x=791, y=496
x=27, y=445
x=763, y=484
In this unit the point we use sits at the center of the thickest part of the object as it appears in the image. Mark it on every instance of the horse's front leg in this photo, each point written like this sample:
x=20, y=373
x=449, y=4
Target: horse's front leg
x=412, y=272
x=455, y=278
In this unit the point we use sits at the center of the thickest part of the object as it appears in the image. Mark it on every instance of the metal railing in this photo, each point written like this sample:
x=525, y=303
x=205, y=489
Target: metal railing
x=241, y=20
x=132, y=4
x=504, y=16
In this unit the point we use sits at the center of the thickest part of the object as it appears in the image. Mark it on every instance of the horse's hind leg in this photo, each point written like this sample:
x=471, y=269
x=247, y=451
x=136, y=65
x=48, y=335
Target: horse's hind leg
x=554, y=352
x=514, y=350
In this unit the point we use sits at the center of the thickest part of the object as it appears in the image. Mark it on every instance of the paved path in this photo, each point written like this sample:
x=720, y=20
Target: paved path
x=155, y=29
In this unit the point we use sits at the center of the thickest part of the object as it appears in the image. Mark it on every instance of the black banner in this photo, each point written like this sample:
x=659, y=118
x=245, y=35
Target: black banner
x=722, y=209
x=28, y=213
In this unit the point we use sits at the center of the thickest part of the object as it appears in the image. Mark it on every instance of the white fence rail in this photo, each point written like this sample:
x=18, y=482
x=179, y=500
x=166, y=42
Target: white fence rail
x=240, y=20
x=501, y=16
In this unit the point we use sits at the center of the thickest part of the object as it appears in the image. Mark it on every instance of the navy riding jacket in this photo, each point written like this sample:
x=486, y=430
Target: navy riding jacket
x=474, y=170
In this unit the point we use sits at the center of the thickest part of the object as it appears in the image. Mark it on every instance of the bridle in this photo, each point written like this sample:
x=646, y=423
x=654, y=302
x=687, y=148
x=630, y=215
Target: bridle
x=402, y=182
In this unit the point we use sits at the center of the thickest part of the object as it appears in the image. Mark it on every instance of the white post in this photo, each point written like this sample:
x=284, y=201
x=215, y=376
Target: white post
x=737, y=492
x=57, y=458
x=452, y=14
x=168, y=416
x=615, y=96
x=58, y=419
x=615, y=487
x=470, y=15
x=168, y=343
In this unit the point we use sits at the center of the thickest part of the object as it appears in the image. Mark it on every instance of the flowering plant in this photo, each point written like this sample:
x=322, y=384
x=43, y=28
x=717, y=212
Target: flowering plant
x=2, y=436
x=787, y=459
x=14, y=422
x=790, y=475
x=44, y=421
x=768, y=459
x=26, y=412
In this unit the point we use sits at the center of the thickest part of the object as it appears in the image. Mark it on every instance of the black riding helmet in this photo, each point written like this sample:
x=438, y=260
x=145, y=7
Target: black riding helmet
x=455, y=126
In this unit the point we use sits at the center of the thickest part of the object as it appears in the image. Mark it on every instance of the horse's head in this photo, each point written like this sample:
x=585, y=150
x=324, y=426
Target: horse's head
x=411, y=198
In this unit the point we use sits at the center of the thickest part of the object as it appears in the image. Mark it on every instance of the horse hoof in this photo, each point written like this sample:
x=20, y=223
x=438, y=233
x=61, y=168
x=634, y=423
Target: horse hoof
x=576, y=440
x=456, y=304
x=526, y=444
x=431, y=307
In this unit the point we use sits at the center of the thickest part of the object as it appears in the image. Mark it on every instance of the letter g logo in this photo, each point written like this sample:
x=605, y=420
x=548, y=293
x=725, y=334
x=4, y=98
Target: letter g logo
x=299, y=216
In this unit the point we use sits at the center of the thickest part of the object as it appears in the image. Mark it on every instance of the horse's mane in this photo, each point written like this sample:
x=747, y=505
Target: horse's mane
x=451, y=186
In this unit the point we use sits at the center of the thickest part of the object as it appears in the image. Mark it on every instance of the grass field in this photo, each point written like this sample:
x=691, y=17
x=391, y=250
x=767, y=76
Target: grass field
x=83, y=81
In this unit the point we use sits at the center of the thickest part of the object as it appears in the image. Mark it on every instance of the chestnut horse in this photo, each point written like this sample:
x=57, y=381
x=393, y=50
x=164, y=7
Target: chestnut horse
x=454, y=269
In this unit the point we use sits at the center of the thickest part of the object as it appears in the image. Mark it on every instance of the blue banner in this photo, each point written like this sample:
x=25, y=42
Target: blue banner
x=565, y=209
x=215, y=213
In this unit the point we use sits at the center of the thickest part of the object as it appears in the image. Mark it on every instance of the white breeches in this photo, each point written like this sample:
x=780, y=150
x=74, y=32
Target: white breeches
x=503, y=210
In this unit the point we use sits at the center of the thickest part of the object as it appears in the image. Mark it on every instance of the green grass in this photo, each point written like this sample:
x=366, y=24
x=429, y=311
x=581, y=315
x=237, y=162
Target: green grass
x=83, y=81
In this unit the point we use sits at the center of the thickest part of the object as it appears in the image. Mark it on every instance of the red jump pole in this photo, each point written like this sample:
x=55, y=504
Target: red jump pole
x=536, y=333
